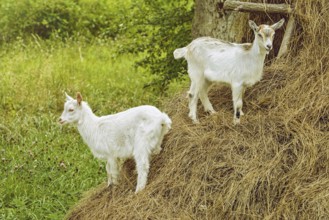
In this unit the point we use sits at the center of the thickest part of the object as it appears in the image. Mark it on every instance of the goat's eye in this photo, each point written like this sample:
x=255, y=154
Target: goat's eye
x=260, y=35
x=71, y=110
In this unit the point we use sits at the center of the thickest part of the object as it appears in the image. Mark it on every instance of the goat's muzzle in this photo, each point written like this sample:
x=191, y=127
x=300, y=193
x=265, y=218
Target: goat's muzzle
x=268, y=48
x=61, y=121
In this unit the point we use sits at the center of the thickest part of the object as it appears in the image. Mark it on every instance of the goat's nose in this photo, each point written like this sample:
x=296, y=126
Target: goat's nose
x=60, y=120
x=269, y=46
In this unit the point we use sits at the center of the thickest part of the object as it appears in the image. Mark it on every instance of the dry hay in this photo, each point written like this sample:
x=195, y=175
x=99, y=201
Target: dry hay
x=275, y=165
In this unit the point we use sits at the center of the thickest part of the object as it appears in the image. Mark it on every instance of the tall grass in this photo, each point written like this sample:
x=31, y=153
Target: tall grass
x=45, y=168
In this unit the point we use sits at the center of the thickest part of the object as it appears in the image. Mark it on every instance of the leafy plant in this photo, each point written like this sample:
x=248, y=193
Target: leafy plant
x=61, y=18
x=151, y=28
x=166, y=27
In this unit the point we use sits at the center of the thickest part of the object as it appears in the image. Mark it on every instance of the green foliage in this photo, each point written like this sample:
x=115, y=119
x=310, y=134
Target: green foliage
x=153, y=28
x=166, y=27
x=61, y=19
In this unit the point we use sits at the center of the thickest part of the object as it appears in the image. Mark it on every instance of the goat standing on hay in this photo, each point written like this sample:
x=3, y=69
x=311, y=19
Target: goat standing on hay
x=239, y=65
x=137, y=132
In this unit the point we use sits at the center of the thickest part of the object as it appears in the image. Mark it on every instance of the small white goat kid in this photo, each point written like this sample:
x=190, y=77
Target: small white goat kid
x=239, y=65
x=137, y=132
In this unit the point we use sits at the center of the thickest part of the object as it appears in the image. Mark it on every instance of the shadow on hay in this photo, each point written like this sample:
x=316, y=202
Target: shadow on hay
x=275, y=165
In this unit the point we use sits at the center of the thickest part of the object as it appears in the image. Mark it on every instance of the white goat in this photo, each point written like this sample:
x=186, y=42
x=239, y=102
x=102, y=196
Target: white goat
x=239, y=65
x=137, y=132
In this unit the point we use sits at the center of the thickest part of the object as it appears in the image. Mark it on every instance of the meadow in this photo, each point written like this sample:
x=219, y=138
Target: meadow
x=45, y=167
x=48, y=49
x=272, y=166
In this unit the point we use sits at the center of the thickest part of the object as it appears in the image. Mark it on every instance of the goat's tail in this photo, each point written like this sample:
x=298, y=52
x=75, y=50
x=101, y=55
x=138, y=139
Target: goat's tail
x=166, y=122
x=180, y=52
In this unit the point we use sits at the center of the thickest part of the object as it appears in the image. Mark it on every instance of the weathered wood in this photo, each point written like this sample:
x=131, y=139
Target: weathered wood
x=209, y=21
x=287, y=36
x=257, y=7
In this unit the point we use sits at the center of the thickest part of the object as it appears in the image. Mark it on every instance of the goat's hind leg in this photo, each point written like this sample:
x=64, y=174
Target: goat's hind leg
x=144, y=144
x=142, y=166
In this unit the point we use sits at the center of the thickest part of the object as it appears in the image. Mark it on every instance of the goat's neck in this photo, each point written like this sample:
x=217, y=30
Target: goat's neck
x=88, y=124
x=257, y=51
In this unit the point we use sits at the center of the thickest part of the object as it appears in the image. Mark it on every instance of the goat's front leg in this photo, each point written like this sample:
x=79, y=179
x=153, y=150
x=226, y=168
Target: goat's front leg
x=237, y=93
x=243, y=90
x=112, y=171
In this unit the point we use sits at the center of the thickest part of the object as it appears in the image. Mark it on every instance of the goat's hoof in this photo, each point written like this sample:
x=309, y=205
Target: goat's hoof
x=139, y=189
x=111, y=182
x=236, y=121
x=211, y=111
x=196, y=121
x=157, y=151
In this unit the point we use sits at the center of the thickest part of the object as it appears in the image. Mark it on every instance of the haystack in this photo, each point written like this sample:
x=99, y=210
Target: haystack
x=275, y=165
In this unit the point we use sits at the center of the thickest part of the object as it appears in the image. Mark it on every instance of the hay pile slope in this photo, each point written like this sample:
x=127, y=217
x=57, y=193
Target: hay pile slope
x=275, y=165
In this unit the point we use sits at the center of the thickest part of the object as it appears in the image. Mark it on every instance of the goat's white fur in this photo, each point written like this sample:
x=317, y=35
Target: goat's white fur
x=137, y=132
x=239, y=65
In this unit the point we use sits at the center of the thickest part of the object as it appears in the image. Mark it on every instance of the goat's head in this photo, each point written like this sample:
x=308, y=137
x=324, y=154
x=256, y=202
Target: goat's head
x=72, y=110
x=265, y=33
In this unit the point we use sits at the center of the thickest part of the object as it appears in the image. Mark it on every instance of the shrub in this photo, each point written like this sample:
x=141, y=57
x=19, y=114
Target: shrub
x=61, y=19
x=151, y=28
x=166, y=27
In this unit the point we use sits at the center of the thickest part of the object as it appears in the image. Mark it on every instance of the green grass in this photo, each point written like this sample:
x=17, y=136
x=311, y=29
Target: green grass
x=45, y=168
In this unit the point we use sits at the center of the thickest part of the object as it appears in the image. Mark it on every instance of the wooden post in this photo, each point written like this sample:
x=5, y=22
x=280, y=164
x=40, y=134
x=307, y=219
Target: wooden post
x=257, y=7
x=287, y=36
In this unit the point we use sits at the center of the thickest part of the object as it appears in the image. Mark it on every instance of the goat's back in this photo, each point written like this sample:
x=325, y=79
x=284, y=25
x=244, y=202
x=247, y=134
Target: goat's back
x=120, y=131
x=222, y=61
x=209, y=50
x=136, y=115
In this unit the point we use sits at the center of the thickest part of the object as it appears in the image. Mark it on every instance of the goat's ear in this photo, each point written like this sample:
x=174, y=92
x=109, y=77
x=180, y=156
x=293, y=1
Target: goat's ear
x=68, y=98
x=278, y=24
x=253, y=26
x=79, y=98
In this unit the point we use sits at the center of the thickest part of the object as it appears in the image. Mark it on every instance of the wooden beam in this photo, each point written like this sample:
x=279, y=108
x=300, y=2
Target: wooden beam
x=257, y=7
x=287, y=36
